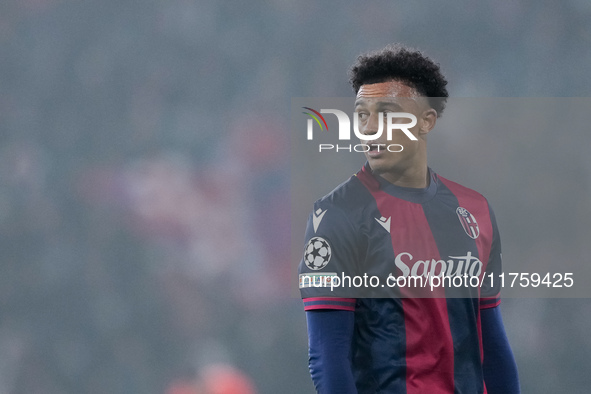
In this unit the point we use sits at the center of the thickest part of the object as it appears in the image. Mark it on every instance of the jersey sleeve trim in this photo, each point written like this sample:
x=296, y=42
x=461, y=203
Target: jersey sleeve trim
x=345, y=304
x=490, y=302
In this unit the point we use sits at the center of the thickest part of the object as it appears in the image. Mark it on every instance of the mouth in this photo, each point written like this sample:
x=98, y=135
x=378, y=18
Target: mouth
x=376, y=149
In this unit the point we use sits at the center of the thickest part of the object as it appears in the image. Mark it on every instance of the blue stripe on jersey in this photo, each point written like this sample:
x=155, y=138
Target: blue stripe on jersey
x=463, y=312
x=379, y=349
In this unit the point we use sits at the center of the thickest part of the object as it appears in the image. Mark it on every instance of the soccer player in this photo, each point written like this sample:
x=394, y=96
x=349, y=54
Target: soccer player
x=397, y=215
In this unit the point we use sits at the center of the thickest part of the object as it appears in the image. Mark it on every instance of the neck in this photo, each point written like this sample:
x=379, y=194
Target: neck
x=416, y=176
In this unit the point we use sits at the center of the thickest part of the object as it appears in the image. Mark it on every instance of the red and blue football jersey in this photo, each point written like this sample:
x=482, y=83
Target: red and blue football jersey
x=403, y=344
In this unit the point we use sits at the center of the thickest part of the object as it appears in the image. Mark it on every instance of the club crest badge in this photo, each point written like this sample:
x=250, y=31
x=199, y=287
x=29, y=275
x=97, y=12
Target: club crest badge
x=468, y=222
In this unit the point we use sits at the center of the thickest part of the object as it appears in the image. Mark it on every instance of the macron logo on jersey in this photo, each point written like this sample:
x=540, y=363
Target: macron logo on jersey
x=317, y=218
x=385, y=223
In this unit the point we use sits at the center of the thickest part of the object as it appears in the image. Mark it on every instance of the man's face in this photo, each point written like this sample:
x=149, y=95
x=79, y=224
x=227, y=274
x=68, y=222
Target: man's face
x=385, y=97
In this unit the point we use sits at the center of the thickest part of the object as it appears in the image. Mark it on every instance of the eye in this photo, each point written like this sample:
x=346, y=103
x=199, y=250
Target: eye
x=362, y=115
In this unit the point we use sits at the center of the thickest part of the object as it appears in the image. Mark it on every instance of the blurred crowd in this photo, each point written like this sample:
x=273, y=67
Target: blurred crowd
x=145, y=179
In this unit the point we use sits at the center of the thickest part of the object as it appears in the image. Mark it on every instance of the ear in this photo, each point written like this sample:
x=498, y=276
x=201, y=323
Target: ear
x=428, y=120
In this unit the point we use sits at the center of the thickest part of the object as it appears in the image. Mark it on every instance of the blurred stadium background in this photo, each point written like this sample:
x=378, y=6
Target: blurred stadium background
x=145, y=194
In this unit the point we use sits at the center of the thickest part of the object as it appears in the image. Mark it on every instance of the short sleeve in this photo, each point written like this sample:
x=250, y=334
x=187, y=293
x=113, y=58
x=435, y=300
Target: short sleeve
x=331, y=250
x=490, y=294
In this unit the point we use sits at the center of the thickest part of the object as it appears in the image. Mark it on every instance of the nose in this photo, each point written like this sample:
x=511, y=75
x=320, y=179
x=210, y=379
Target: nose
x=374, y=124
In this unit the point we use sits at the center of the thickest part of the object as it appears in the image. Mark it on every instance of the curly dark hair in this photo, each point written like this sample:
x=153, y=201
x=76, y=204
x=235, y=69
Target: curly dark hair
x=400, y=63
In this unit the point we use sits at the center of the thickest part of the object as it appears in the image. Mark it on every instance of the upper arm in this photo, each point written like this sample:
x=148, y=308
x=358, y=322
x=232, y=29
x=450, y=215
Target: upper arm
x=331, y=249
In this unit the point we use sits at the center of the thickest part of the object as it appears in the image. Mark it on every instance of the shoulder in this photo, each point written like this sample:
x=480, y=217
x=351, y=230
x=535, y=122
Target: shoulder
x=349, y=198
x=470, y=202
x=462, y=192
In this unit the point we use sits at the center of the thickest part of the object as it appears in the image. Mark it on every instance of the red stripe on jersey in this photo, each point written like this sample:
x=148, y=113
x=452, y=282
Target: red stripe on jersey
x=329, y=306
x=344, y=304
x=490, y=302
x=429, y=343
x=477, y=205
x=330, y=299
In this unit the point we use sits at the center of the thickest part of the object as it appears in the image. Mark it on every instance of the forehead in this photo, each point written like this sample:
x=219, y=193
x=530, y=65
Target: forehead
x=390, y=93
x=390, y=89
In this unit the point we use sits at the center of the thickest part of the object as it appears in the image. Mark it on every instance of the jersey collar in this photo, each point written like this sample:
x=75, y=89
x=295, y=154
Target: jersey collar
x=410, y=194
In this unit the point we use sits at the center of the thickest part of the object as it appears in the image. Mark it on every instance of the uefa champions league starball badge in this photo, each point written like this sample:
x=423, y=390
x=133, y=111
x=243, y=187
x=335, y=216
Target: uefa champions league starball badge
x=317, y=254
